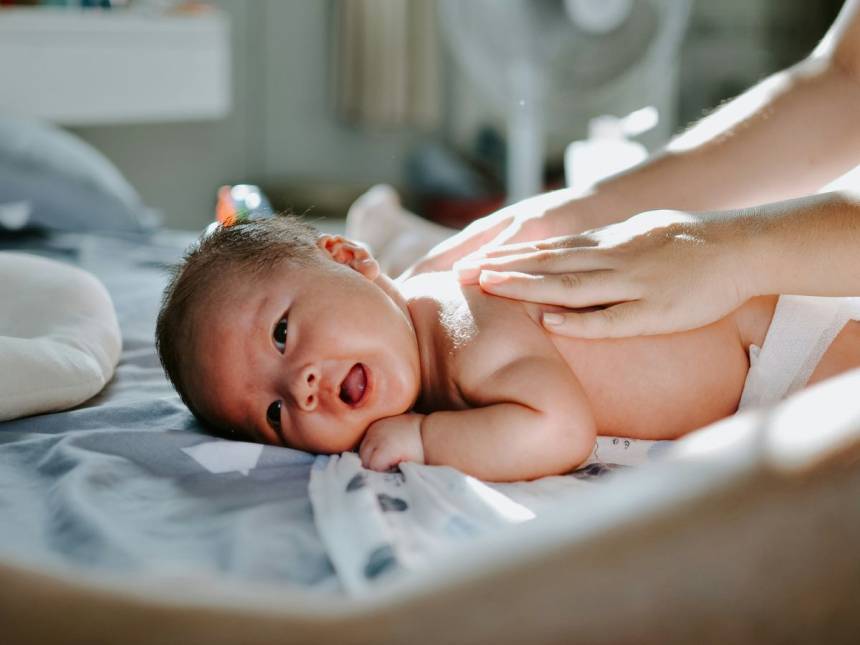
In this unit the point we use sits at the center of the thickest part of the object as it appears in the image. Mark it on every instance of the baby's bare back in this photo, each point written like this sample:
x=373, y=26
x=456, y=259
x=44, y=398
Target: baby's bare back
x=649, y=387
x=660, y=387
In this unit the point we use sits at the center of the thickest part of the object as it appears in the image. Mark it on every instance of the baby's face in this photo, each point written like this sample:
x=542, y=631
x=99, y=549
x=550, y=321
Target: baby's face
x=309, y=356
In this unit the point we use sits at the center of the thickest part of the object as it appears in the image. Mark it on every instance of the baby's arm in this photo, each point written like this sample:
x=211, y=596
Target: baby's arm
x=533, y=420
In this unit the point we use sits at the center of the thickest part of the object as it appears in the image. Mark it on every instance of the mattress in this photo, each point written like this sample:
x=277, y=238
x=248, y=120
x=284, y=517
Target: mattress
x=123, y=520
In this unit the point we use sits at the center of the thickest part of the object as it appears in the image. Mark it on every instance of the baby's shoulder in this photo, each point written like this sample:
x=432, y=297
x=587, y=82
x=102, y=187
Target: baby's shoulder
x=501, y=333
x=476, y=335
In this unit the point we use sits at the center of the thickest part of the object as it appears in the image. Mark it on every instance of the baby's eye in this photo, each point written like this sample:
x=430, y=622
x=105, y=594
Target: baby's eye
x=273, y=415
x=279, y=334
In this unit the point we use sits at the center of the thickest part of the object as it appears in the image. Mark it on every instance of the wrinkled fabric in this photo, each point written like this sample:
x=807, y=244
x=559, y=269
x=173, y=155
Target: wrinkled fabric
x=129, y=482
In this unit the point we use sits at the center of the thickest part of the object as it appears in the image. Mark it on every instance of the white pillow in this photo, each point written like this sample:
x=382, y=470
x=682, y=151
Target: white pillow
x=59, y=336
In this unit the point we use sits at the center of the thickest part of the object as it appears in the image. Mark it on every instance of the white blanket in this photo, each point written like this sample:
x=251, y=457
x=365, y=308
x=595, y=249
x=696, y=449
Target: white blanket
x=377, y=525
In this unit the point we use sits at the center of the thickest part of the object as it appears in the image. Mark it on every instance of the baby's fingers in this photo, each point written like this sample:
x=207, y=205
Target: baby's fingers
x=621, y=320
x=381, y=460
x=366, y=450
x=573, y=290
x=374, y=455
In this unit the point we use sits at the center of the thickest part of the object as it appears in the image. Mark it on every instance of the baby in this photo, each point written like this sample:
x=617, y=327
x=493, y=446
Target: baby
x=281, y=335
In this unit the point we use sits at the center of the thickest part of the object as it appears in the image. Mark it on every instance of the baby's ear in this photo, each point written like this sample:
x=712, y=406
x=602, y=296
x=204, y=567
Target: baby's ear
x=349, y=252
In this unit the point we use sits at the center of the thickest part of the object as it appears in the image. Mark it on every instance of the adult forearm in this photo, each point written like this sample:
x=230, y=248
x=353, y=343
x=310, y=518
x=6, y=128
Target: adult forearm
x=788, y=136
x=806, y=246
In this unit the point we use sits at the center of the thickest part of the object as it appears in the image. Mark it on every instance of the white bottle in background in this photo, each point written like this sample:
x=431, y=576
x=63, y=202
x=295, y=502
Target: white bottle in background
x=607, y=150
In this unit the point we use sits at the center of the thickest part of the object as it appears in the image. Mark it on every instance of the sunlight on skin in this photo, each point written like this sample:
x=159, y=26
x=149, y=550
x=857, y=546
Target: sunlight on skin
x=727, y=118
x=624, y=231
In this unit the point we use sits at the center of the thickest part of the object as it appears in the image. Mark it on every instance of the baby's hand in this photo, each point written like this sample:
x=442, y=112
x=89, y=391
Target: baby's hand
x=389, y=441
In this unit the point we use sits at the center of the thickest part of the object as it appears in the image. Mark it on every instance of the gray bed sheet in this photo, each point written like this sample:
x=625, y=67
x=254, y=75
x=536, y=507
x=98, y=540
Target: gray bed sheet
x=108, y=487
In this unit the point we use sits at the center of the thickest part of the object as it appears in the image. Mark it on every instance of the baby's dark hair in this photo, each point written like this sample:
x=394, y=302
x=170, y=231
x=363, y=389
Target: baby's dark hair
x=247, y=250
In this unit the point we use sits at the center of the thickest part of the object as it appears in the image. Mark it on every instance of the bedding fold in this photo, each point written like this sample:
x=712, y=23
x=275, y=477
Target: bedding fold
x=376, y=526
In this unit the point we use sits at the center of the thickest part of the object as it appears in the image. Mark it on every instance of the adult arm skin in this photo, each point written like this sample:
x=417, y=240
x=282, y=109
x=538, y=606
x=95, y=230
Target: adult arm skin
x=786, y=137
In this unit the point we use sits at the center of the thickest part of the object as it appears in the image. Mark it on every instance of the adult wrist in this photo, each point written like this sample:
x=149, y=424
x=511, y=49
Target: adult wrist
x=744, y=243
x=804, y=246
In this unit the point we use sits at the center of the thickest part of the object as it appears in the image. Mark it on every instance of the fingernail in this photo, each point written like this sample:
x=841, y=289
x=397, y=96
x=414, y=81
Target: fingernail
x=492, y=277
x=552, y=319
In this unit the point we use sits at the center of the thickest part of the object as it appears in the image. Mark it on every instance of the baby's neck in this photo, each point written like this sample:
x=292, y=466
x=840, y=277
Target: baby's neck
x=422, y=300
x=429, y=299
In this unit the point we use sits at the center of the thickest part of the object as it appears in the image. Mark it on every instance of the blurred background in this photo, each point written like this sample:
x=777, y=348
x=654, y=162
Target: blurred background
x=459, y=104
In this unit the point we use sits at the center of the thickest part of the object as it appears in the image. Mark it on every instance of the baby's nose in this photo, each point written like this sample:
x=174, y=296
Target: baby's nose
x=306, y=388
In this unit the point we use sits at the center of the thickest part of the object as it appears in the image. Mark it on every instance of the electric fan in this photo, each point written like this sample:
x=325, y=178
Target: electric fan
x=551, y=63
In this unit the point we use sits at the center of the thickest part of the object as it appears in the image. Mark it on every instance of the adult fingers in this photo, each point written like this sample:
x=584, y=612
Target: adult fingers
x=467, y=241
x=620, y=320
x=541, y=262
x=560, y=242
x=491, y=251
x=579, y=289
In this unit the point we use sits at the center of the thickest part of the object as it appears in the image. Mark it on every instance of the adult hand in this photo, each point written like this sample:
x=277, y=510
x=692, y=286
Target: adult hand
x=535, y=218
x=657, y=272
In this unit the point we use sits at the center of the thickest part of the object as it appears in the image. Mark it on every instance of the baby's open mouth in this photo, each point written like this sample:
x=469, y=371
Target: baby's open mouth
x=354, y=385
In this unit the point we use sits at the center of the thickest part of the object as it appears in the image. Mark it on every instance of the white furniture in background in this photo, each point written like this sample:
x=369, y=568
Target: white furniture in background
x=85, y=67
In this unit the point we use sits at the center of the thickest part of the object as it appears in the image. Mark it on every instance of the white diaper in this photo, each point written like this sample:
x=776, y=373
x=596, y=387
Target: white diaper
x=801, y=331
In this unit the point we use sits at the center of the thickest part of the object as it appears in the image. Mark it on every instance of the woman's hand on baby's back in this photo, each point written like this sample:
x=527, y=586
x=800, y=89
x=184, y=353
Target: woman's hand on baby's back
x=392, y=440
x=657, y=272
x=535, y=218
